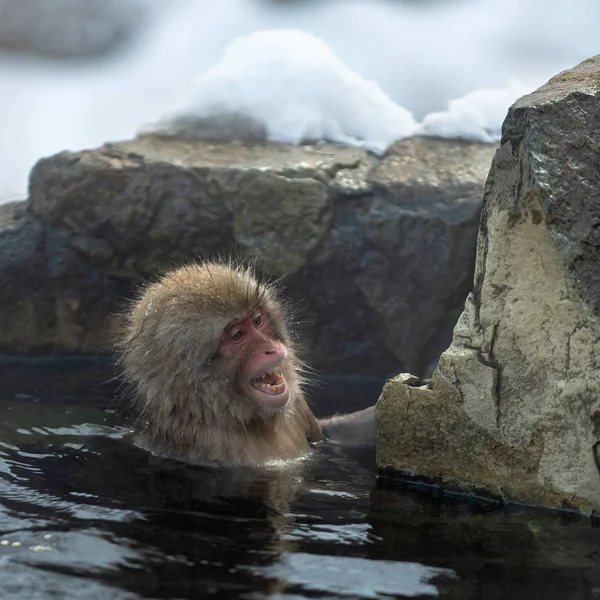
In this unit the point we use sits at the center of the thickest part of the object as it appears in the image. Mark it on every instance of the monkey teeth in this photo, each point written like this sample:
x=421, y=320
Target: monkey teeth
x=270, y=383
x=273, y=389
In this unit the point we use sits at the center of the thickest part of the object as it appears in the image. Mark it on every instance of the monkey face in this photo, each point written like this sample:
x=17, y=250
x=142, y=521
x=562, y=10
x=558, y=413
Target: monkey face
x=258, y=358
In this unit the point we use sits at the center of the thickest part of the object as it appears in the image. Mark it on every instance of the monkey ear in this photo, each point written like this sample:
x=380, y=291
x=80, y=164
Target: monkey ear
x=209, y=352
x=212, y=355
x=202, y=346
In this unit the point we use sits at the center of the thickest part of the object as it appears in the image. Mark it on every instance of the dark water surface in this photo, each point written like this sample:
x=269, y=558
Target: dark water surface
x=85, y=514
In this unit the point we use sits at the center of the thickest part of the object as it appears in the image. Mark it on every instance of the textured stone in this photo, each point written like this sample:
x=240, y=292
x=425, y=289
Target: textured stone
x=377, y=253
x=516, y=397
x=50, y=299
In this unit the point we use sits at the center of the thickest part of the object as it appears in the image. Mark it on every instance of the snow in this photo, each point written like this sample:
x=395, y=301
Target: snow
x=478, y=116
x=418, y=55
x=289, y=86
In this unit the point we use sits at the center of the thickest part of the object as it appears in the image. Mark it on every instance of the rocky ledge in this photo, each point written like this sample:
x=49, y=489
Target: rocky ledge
x=378, y=253
x=515, y=401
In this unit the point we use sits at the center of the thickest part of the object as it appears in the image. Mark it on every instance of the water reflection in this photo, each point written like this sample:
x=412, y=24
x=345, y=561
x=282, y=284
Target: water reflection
x=84, y=513
x=345, y=576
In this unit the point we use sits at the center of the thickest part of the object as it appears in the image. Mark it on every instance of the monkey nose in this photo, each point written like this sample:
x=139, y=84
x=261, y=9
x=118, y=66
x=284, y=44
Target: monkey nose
x=277, y=350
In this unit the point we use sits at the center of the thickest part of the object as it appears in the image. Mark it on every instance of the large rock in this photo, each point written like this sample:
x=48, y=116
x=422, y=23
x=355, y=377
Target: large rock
x=378, y=253
x=515, y=404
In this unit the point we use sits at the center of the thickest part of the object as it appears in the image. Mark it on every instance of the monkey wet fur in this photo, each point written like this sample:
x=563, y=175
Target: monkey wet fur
x=214, y=372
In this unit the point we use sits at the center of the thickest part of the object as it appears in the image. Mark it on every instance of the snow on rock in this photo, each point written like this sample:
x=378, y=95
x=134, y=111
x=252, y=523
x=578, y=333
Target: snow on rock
x=405, y=47
x=477, y=116
x=287, y=85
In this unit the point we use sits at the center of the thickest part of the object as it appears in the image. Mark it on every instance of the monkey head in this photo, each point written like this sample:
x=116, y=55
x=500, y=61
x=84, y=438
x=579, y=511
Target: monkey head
x=208, y=345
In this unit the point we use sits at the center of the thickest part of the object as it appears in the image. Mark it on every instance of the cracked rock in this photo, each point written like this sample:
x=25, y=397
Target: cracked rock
x=378, y=254
x=515, y=402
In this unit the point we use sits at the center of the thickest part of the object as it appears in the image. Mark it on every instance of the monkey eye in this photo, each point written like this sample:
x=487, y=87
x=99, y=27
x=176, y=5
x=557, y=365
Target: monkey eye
x=257, y=321
x=236, y=335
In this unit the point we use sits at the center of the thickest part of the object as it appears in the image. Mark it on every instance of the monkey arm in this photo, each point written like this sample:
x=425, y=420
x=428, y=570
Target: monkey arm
x=357, y=428
x=313, y=429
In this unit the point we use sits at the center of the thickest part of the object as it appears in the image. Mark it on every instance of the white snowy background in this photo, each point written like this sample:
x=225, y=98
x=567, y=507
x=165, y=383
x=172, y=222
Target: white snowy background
x=356, y=71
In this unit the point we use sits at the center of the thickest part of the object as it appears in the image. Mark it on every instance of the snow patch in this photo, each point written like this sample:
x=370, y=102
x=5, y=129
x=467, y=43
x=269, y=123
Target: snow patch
x=477, y=116
x=287, y=86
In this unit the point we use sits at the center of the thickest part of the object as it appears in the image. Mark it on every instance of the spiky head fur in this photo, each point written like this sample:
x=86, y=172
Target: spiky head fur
x=187, y=402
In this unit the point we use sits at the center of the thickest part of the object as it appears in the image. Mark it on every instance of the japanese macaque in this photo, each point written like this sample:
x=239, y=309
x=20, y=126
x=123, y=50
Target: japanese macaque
x=215, y=375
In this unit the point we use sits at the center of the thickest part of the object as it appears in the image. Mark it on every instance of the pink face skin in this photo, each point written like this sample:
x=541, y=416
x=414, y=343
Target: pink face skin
x=249, y=342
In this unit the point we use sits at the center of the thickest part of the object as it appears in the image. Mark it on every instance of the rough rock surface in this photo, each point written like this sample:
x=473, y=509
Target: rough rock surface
x=68, y=29
x=378, y=253
x=515, y=404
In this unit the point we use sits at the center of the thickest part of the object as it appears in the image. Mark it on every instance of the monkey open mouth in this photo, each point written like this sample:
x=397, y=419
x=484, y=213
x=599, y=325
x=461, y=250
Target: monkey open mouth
x=269, y=389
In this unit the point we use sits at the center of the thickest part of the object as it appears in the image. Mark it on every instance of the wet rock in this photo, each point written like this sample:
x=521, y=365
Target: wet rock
x=68, y=29
x=515, y=403
x=374, y=251
x=399, y=257
x=50, y=299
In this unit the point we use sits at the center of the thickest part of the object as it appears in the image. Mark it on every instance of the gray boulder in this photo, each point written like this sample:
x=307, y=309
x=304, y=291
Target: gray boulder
x=377, y=253
x=515, y=402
